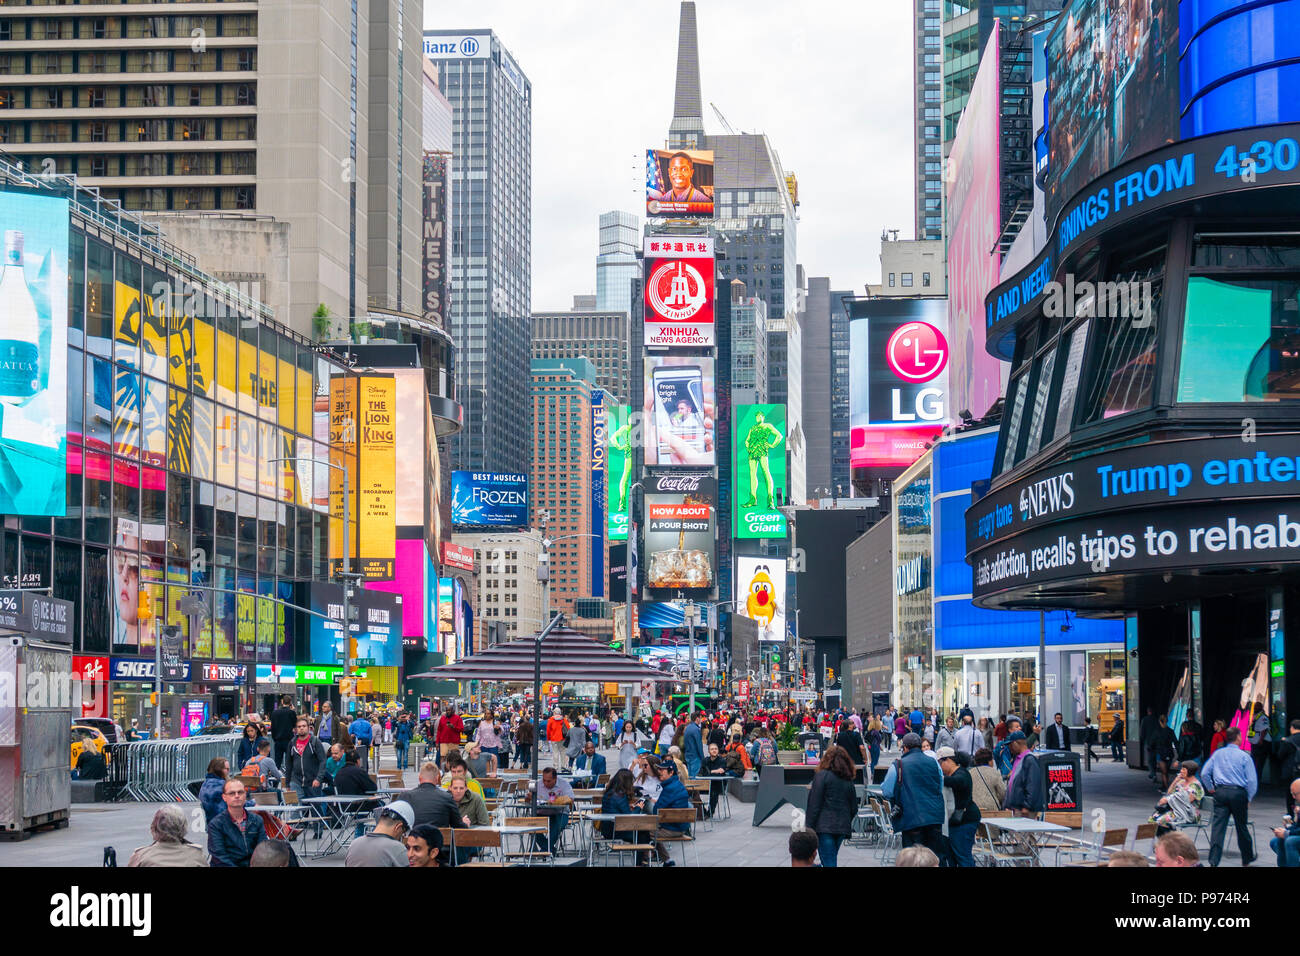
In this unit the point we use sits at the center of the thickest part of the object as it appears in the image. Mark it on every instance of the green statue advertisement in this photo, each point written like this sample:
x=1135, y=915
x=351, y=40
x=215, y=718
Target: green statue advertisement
x=619, y=461
x=759, y=485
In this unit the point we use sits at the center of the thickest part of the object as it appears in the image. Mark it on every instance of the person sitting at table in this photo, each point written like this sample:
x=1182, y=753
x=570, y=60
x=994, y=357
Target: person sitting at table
x=645, y=776
x=333, y=764
x=352, y=780
x=433, y=805
x=672, y=796
x=473, y=811
x=385, y=845
x=714, y=765
x=458, y=770
x=675, y=756
x=621, y=797
x=1181, y=805
x=589, y=763
x=424, y=846
x=553, y=790
x=170, y=847
x=234, y=833
x=479, y=763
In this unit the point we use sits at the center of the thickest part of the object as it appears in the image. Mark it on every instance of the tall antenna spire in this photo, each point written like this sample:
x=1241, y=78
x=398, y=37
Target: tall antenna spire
x=687, y=128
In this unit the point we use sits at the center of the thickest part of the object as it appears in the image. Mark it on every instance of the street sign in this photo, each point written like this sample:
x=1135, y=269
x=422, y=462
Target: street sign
x=365, y=662
x=803, y=695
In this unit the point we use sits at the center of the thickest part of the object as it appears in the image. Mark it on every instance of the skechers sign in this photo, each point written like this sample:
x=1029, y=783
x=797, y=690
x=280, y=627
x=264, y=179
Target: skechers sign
x=489, y=499
x=1257, y=158
x=142, y=669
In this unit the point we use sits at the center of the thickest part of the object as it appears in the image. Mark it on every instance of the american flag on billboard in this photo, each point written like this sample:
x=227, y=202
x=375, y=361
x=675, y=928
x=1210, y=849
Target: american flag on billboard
x=653, y=176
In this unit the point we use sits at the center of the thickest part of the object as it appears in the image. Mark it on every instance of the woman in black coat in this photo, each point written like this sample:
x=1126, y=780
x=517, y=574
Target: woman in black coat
x=832, y=803
x=248, y=744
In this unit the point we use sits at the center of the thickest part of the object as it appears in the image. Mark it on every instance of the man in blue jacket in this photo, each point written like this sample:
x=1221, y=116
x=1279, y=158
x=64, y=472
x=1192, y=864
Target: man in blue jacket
x=234, y=833
x=591, y=761
x=673, y=796
x=362, y=733
x=1026, y=791
x=693, y=744
x=914, y=785
x=402, y=735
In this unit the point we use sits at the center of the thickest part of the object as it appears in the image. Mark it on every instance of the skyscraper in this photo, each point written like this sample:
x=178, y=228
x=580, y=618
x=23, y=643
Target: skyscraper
x=927, y=116
x=599, y=336
x=251, y=121
x=825, y=323
x=616, y=262
x=491, y=222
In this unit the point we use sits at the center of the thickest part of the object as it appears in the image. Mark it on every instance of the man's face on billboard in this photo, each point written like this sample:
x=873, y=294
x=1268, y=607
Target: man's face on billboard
x=680, y=171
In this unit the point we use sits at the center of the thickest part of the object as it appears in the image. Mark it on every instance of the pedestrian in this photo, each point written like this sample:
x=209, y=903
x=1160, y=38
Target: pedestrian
x=693, y=744
x=556, y=729
x=248, y=744
x=1216, y=740
x=967, y=740
x=326, y=724
x=385, y=845
x=169, y=829
x=965, y=817
x=449, y=731
x=1146, y=740
x=575, y=738
x=488, y=734
x=1026, y=793
x=1058, y=735
x=305, y=761
x=914, y=785
x=402, y=735
x=363, y=733
x=1261, y=744
x=283, y=719
x=665, y=732
x=264, y=766
x=524, y=741
x=1286, y=838
x=1117, y=739
x=985, y=727
x=851, y=740
x=213, y=784
x=627, y=746
x=1229, y=776
x=833, y=802
x=987, y=786
x=1288, y=754
x=1002, y=756
x=1163, y=748
x=234, y=833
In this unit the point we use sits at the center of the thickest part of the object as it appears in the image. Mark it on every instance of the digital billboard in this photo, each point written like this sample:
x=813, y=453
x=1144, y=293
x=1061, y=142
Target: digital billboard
x=678, y=422
x=410, y=580
x=376, y=514
x=760, y=595
x=494, y=499
x=377, y=626
x=620, y=458
x=679, y=183
x=898, y=356
x=974, y=222
x=33, y=355
x=759, y=479
x=680, y=531
x=679, y=291
x=599, y=425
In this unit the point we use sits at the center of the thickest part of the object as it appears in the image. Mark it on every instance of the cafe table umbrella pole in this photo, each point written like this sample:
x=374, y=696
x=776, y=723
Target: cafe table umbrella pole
x=551, y=625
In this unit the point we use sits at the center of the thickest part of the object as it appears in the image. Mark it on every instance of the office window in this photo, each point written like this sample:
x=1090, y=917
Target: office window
x=925, y=279
x=891, y=280
x=907, y=280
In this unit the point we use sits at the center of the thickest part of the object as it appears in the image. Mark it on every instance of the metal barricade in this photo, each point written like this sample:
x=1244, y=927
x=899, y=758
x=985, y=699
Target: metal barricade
x=158, y=770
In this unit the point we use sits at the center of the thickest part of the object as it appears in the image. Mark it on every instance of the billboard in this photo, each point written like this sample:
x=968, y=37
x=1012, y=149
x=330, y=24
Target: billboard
x=446, y=619
x=494, y=499
x=679, y=183
x=377, y=627
x=458, y=556
x=680, y=533
x=434, y=246
x=898, y=357
x=759, y=476
x=33, y=355
x=410, y=580
x=410, y=461
x=598, y=479
x=974, y=221
x=679, y=291
x=618, y=573
x=376, y=492
x=1113, y=89
x=619, y=461
x=760, y=595
x=678, y=423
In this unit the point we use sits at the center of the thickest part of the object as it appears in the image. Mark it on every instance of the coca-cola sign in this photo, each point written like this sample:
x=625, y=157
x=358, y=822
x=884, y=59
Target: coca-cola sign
x=683, y=484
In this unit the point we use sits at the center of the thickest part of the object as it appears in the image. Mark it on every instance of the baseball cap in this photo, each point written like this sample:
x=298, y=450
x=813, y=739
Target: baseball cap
x=403, y=810
x=946, y=753
x=1016, y=735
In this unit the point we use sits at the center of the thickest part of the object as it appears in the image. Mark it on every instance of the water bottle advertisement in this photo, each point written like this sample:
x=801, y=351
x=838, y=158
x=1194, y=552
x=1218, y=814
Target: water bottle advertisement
x=33, y=354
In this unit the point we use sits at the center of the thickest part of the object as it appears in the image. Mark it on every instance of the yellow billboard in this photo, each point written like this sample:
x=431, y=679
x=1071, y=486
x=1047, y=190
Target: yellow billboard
x=377, y=488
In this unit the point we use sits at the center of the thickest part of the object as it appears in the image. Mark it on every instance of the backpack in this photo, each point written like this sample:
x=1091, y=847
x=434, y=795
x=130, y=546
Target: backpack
x=766, y=752
x=744, y=757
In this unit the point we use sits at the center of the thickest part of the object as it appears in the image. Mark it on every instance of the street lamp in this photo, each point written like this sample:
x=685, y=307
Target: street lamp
x=346, y=573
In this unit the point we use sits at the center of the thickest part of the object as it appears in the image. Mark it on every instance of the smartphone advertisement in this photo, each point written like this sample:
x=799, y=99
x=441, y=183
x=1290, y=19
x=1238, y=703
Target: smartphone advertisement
x=679, y=534
x=679, y=411
x=679, y=288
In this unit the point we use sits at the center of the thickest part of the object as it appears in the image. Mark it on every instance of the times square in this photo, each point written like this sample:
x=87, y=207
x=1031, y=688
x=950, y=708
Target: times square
x=342, y=525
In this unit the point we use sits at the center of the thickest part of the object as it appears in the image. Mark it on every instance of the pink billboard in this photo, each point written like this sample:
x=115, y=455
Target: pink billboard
x=974, y=221
x=411, y=582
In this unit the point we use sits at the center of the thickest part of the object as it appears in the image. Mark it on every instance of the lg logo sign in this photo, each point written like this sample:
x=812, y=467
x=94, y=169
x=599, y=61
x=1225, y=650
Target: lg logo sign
x=917, y=352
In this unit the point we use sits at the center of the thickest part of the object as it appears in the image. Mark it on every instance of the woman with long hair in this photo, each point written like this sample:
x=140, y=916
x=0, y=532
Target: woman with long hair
x=248, y=743
x=645, y=777
x=627, y=746
x=832, y=803
x=875, y=733
x=620, y=797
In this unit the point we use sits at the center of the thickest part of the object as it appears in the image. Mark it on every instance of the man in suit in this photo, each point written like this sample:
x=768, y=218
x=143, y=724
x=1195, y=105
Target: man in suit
x=283, y=720
x=1057, y=736
x=589, y=760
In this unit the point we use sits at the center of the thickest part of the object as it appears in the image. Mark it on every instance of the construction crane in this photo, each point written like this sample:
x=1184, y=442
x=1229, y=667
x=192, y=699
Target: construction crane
x=722, y=119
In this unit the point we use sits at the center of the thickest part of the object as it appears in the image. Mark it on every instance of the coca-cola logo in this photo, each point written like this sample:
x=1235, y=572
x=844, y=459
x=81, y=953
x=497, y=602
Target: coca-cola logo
x=679, y=483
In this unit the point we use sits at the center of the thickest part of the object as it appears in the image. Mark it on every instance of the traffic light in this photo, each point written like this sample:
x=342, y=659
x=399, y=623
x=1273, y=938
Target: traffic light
x=352, y=648
x=153, y=699
x=144, y=608
x=830, y=675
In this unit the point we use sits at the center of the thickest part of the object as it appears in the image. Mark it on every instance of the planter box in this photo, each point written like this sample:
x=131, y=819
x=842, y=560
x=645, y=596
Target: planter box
x=789, y=758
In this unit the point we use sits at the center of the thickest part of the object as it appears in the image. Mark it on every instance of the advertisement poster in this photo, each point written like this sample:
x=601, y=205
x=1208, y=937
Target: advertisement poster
x=898, y=362
x=411, y=582
x=760, y=595
x=679, y=290
x=619, y=460
x=759, y=480
x=498, y=500
x=678, y=420
x=599, y=427
x=377, y=499
x=974, y=222
x=343, y=404
x=679, y=183
x=409, y=473
x=377, y=626
x=33, y=354
x=679, y=534
x=446, y=619
x=458, y=614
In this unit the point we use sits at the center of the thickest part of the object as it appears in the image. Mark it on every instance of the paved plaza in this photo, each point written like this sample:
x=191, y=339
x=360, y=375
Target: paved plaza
x=1125, y=795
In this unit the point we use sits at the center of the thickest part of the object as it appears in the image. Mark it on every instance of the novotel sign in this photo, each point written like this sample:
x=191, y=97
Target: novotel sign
x=464, y=47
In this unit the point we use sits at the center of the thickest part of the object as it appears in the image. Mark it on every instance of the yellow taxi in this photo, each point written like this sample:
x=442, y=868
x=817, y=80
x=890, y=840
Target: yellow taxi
x=85, y=737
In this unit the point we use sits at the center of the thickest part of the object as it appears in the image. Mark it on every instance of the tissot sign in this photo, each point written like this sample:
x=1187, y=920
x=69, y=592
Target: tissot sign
x=679, y=291
x=223, y=673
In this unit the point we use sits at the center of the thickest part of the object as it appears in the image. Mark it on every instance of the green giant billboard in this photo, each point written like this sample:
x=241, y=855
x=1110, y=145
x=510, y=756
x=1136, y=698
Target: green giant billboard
x=759, y=482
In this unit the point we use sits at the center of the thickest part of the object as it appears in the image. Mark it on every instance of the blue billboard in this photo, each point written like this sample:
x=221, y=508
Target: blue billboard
x=377, y=626
x=489, y=499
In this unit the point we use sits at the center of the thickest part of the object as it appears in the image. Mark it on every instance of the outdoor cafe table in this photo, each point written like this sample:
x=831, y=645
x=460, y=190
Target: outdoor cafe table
x=508, y=830
x=1026, y=830
x=342, y=833
x=712, y=780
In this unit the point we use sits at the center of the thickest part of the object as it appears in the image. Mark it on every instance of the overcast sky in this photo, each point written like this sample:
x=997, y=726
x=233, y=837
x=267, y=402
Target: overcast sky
x=829, y=81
